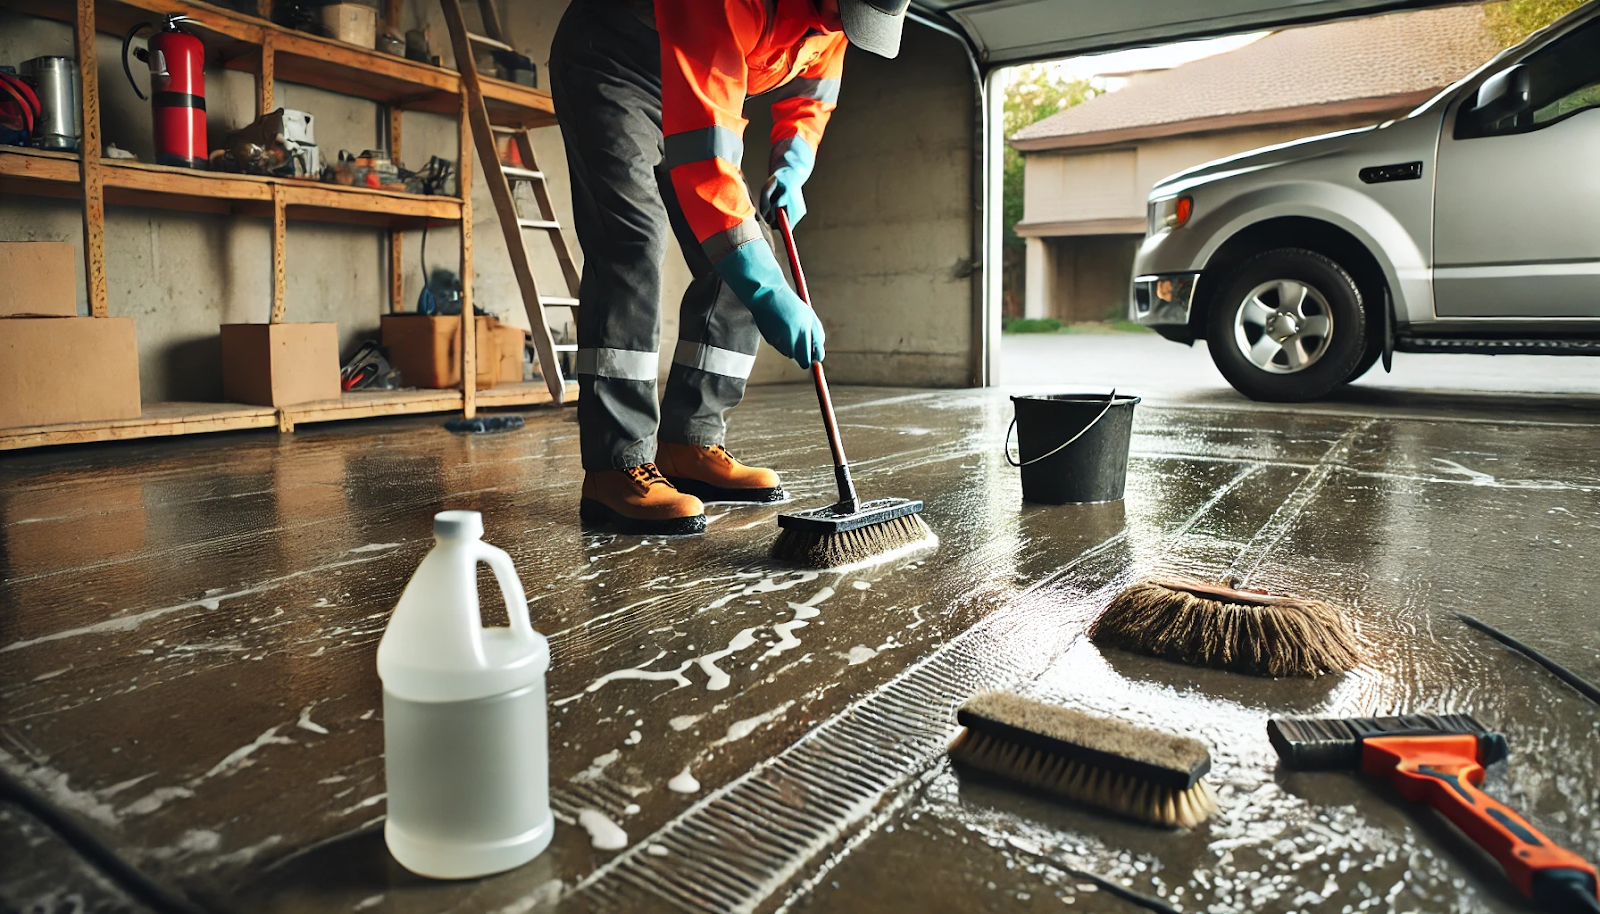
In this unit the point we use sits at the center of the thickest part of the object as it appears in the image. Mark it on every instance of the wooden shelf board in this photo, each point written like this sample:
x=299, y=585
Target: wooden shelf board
x=159, y=419
x=366, y=404
x=524, y=393
x=138, y=184
x=179, y=418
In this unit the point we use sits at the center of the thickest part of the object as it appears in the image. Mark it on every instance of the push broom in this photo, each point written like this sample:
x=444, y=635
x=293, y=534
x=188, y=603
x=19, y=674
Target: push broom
x=849, y=530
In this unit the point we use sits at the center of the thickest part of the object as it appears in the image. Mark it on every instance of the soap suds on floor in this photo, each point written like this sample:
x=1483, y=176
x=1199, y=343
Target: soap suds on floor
x=684, y=782
x=306, y=723
x=597, y=767
x=716, y=679
x=861, y=654
x=740, y=729
x=785, y=630
x=684, y=721
x=604, y=834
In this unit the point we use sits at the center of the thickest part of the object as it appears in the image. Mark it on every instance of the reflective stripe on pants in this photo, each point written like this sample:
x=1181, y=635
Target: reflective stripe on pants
x=605, y=76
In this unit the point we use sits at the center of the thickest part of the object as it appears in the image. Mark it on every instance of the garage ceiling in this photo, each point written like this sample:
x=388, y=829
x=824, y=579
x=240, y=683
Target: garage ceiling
x=1005, y=32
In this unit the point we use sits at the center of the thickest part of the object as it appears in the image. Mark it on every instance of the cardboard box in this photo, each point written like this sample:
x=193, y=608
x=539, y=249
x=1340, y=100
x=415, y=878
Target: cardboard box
x=356, y=23
x=511, y=345
x=427, y=350
x=55, y=370
x=280, y=364
x=38, y=277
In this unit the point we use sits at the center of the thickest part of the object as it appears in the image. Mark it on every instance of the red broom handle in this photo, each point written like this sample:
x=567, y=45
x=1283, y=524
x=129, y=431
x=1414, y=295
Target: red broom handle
x=847, y=489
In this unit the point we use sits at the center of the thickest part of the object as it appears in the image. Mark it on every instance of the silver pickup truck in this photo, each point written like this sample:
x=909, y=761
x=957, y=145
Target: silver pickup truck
x=1470, y=225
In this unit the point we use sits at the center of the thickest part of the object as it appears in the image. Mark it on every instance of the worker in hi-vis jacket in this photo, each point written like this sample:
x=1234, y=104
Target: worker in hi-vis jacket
x=650, y=98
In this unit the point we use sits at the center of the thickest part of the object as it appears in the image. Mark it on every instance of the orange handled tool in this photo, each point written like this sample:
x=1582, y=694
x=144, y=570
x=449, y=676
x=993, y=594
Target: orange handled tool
x=1439, y=760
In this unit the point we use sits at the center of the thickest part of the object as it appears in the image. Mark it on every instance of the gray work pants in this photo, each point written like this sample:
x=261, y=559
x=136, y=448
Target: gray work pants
x=605, y=76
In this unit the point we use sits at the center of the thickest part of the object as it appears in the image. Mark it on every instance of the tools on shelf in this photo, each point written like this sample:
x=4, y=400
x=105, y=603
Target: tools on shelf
x=40, y=104
x=269, y=52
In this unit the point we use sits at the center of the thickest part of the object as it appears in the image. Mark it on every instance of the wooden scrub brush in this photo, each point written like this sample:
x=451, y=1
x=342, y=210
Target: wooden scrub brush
x=1110, y=764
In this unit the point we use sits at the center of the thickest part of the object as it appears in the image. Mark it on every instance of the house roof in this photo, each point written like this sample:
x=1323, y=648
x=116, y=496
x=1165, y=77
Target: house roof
x=1358, y=66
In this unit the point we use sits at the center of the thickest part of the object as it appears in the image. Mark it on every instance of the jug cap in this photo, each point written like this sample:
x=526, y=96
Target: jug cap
x=435, y=647
x=452, y=525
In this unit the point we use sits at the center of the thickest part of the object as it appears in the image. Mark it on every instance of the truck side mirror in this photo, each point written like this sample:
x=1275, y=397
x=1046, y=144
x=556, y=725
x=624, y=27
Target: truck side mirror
x=1502, y=95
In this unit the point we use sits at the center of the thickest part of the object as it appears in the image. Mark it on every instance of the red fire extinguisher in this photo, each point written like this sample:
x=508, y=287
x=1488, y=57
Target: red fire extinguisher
x=177, y=91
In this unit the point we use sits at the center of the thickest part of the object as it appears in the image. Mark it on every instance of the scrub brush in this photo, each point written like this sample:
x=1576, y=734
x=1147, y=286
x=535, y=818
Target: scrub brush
x=849, y=530
x=1110, y=764
x=1243, y=631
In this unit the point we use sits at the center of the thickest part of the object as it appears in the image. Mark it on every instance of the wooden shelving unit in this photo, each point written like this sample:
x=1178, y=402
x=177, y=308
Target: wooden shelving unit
x=165, y=419
x=271, y=53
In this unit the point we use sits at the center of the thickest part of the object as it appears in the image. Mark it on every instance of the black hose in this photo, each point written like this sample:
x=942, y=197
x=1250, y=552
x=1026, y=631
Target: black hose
x=123, y=874
x=1582, y=686
x=1149, y=903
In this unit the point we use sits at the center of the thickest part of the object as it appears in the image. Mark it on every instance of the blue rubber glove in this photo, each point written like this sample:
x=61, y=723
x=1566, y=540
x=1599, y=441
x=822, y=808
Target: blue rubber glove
x=788, y=323
x=792, y=161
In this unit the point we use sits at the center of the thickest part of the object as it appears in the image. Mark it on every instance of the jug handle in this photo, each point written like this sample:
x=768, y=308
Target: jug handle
x=510, y=587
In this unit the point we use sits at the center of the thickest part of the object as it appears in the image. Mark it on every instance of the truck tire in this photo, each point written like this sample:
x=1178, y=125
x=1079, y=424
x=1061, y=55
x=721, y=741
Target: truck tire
x=1287, y=326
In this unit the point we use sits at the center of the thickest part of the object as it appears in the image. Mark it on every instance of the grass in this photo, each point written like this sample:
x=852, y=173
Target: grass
x=1051, y=325
x=1031, y=325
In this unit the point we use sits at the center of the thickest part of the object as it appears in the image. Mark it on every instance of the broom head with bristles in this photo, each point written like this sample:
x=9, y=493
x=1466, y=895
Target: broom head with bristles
x=1112, y=765
x=829, y=537
x=1217, y=626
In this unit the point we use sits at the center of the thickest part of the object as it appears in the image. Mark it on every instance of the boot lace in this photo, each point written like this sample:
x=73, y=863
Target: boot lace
x=646, y=475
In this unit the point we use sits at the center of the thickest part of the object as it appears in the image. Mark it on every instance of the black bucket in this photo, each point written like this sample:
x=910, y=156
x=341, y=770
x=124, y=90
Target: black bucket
x=1072, y=448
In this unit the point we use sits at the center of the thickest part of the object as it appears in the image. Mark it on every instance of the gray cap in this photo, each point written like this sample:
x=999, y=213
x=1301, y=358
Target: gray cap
x=874, y=25
x=456, y=525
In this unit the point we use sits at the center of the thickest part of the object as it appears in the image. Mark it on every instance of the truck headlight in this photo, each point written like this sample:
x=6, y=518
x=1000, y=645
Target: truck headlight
x=1171, y=212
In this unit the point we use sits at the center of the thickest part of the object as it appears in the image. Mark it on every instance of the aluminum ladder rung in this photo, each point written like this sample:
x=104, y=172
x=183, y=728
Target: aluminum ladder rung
x=558, y=301
x=549, y=225
x=522, y=174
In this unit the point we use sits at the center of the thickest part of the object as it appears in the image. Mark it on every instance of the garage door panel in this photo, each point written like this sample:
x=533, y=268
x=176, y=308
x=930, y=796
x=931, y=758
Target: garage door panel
x=1016, y=31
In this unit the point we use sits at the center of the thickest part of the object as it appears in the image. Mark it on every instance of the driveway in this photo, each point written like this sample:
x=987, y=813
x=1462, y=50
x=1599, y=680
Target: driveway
x=1461, y=385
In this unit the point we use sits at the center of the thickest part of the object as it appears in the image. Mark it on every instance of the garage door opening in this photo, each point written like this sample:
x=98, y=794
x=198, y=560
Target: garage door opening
x=1087, y=138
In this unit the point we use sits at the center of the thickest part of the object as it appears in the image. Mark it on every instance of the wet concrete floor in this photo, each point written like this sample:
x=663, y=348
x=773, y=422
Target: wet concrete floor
x=188, y=630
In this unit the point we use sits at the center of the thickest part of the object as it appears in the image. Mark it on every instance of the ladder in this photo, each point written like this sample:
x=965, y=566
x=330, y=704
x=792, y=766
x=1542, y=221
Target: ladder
x=531, y=175
x=499, y=177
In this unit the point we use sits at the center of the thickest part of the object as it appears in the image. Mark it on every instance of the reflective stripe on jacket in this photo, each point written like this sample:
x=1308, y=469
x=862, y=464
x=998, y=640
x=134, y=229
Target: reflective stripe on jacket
x=715, y=53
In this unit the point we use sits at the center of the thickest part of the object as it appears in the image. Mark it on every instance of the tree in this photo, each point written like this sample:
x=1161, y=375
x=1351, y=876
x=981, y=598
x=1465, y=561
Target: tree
x=1513, y=20
x=1032, y=93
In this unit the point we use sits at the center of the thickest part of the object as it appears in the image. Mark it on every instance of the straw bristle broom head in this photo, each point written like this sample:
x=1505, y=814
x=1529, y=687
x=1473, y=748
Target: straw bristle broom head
x=1217, y=626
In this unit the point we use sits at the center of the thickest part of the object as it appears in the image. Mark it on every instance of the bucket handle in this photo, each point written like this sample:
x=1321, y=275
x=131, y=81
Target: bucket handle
x=1110, y=399
x=510, y=587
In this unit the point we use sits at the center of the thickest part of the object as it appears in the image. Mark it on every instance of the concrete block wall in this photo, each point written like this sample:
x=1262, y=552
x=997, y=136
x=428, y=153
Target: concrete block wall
x=888, y=242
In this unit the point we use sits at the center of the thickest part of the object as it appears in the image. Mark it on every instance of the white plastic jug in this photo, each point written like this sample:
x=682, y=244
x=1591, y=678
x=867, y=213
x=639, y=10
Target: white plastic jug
x=464, y=731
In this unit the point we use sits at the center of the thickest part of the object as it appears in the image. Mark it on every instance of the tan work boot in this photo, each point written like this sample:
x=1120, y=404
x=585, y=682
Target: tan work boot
x=712, y=474
x=639, y=500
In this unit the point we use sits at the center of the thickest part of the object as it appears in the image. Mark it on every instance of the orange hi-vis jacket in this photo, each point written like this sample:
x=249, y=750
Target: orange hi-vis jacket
x=715, y=53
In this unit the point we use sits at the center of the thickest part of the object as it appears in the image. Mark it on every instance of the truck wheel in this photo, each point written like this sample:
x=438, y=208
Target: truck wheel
x=1288, y=326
